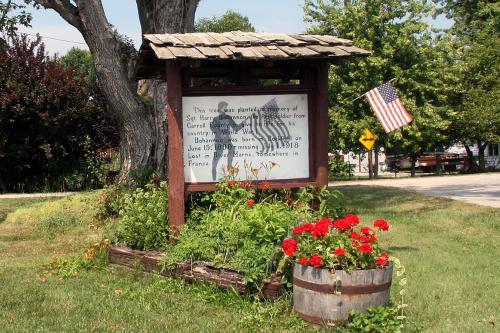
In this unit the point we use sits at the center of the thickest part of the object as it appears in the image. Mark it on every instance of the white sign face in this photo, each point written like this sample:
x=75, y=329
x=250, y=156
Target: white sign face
x=261, y=136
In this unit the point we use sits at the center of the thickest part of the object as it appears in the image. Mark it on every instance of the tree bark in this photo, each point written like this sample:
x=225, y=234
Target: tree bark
x=472, y=167
x=160, y=16
x=142, y=133
x=480, y=152
x=414, y=159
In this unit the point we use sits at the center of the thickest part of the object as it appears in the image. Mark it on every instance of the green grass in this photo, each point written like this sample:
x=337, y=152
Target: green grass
x=450, y=250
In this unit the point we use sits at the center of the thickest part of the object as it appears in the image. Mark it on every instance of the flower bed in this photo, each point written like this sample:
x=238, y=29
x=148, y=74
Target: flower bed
x=149, y=261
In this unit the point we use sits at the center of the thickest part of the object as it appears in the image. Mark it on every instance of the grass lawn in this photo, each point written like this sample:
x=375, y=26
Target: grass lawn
x=450, y=249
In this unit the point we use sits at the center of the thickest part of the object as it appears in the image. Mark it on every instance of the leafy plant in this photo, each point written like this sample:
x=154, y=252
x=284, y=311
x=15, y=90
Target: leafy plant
x=70, y=266
x=339, y=169
x=144, y=218
x=243, y=226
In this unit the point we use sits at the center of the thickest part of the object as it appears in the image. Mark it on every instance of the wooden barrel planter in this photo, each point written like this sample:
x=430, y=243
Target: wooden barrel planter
x=321, y=296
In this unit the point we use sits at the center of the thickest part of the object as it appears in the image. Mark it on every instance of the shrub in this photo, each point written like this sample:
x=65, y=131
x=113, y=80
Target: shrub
x=242, y=228
x=339, y=169
x=144, y=223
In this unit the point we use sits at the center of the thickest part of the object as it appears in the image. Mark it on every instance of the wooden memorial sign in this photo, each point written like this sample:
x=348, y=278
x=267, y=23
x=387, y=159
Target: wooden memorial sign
x=245, y=132
x=234, y=120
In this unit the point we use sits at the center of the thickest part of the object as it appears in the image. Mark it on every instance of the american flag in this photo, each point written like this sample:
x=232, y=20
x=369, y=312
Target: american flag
x=388, y=108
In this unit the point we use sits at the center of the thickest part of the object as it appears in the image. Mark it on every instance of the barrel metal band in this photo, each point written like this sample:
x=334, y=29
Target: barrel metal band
x=346, y=290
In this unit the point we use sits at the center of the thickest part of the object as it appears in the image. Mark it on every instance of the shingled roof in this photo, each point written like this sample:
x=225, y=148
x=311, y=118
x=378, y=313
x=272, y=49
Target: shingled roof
x=238, y=45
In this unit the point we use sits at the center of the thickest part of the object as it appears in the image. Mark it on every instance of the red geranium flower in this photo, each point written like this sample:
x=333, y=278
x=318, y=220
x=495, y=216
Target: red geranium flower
x=365, y=239
x=303, y=228
x=290, y=247
x=355, y=235
x=250, y=202
x=382, y=260
x=355, y=243
x=303, y=261
x=352, y=219
x=316, y=261
x=342, y=225
x=339, y=252
x=320, y=229
x=366, y=248
x=325, y=220
x=367, y=231
x=381, y=224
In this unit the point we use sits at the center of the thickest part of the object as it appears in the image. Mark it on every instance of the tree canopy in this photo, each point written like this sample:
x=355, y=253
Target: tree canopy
x=49, y=122
x=229, y=21
x=476, y=70
x=403, y=48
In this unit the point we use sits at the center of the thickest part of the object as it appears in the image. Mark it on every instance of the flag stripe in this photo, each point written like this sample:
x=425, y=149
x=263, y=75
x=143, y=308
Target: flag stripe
x=397, y=114
x=373, y=103
x=382, y=109
x=388, y=112
x=388, y=108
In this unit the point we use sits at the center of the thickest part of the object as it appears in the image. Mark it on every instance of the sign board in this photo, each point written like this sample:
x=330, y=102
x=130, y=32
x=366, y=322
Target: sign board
x=367, y=139
x=266, y=134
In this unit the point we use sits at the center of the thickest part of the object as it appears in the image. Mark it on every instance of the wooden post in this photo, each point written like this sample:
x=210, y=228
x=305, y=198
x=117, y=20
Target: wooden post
x=321, y=125
x=370, y=165
x=176, y=194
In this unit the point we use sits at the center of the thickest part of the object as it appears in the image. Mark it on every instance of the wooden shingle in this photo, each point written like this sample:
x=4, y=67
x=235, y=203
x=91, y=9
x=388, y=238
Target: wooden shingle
x=236, y=45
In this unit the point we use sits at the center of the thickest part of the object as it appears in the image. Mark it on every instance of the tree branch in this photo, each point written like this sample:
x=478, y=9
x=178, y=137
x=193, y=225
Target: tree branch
x=65, y=8
x=6, y=11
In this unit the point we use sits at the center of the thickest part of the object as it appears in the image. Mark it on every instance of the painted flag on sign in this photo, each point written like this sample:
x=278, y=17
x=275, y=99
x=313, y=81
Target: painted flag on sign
x=388, y=108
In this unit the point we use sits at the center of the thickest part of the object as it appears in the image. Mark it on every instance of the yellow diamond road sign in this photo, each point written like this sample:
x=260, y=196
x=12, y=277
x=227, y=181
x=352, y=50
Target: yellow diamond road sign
x=367, y=139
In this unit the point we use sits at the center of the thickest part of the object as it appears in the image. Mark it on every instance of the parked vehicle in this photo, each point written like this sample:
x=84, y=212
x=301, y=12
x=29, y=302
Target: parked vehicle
x=449, y=162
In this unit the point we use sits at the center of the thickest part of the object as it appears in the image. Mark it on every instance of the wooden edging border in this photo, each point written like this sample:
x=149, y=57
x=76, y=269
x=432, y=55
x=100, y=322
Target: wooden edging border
x=149, y=261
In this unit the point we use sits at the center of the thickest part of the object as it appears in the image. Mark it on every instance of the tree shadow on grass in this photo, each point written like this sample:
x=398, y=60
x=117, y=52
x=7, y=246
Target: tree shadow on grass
x=388, y=199
x=402, y=248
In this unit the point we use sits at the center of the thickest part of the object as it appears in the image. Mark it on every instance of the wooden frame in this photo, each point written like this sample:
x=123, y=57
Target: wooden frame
x=314, y=83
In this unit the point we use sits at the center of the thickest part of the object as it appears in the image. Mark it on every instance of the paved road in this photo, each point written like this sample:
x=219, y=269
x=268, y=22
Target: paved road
x=480, y=189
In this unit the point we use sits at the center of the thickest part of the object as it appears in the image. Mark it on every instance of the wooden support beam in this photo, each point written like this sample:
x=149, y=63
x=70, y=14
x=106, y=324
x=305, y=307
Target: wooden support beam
x=176, y=195
x=321, y=124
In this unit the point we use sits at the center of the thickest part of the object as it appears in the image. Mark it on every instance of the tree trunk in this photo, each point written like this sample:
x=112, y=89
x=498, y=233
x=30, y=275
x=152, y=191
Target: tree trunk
x=134, y=122
x=480, y=153
x=3, y=188
x=370, y=165
x=472, y=167
x=162, y=16
x=142, y=134
x=414, y=159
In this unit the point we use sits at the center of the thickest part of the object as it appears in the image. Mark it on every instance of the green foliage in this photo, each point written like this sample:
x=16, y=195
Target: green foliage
x=71, y=265
x=376, y=320
x=144, y=218
x=111, y=202
x=404, y=49
x=339, y=169
x=242, y=228
x=12, y=15
x=50, y=122
x=229, y=21
x=83, y=64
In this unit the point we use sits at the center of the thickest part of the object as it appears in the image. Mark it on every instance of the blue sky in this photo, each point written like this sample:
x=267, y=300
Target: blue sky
x=265, y=15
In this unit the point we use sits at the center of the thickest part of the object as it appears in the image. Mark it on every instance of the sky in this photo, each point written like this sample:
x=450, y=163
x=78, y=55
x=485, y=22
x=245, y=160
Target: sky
x=284, y=16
